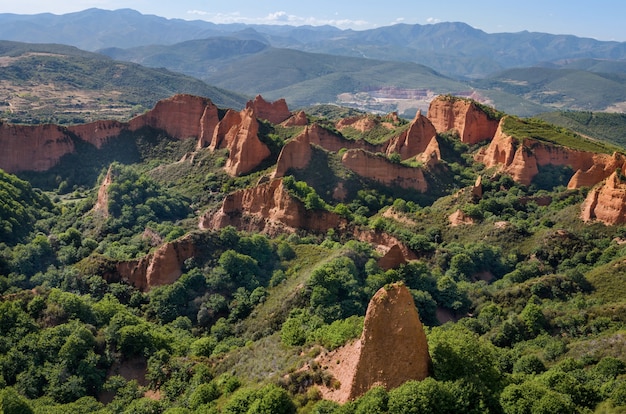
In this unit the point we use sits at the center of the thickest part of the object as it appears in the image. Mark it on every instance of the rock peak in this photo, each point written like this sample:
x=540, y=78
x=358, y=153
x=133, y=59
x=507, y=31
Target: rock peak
x=392, y=349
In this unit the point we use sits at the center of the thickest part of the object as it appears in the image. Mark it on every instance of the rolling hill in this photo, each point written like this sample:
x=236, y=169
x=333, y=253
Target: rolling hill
x=48, y=82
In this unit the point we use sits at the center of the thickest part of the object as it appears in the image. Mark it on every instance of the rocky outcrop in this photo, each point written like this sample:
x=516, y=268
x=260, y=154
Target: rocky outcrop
x=392, y=349
x=98, y=133
x=298, y=119
x=33, y=148
x=392, y=259
x=380, y=169
x=102, y=202
x=431, y=155
x=275, y=112
x=238, y=132
x=606, y=202
x=414, y=140
x=268, y=208
x=603, y=165
x=181, y=117
x=162, y=267
x=462, y=116
x=295, y=154
x=360, y=123
x=459, y=218
x=521, y=158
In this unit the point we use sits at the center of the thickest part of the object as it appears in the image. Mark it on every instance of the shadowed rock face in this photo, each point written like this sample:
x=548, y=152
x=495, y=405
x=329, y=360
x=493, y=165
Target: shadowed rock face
x=606, y=202
x=268, y=208
x=163, y=267
x=414, y=140
x=462, y=116
x=380, y=169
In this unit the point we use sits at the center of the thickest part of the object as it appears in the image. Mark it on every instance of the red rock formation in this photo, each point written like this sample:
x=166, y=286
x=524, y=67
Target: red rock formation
x=162, y=267
x=38, y=148
x=296, y=154
x=32, y=148
x=392, y=349
x=392, y=259
x=98, y=133
x=181, y=117
x=238, y=131
x=477, y=189
x=380, y=169
x=431, y=155
x=102, y=202
x=275, y=112
x=602, y=166
x=606, y=202
x=459, y=218
x=384, y=241
x=414, y=140
x=522, y=158
x=463, y=116
x=268, y=208
x=362, y=123
x=299, y=119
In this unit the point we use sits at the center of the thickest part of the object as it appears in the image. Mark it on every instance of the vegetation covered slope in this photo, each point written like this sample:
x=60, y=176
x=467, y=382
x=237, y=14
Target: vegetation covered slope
x=525, y=306
x=62, y=84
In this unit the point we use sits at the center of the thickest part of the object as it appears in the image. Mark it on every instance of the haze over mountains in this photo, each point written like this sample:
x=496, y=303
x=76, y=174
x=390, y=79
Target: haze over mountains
x=399, y=67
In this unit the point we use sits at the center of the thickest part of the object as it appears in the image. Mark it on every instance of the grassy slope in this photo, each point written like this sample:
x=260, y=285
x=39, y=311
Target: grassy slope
x=60, y=83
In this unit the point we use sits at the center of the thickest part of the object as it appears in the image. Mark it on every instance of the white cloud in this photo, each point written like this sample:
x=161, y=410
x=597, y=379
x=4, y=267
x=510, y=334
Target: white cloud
x=433, y=20
x=279, y=17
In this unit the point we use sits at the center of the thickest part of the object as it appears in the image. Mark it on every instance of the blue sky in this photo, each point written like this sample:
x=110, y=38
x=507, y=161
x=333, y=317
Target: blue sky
x=600, y=19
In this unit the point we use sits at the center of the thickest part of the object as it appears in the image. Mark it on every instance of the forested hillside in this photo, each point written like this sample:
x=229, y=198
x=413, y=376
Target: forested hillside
x=150, y=275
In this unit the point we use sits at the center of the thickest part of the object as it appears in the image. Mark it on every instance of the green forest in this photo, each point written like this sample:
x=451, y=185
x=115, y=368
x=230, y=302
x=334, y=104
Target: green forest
x=524, y=310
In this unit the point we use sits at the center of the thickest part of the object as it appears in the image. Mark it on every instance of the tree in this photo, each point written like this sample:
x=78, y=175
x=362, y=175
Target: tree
x=427, y=396
x=12, y=403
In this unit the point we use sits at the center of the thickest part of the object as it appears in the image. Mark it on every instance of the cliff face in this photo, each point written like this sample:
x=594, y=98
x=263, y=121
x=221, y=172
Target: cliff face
x=180, y=116
x=275, y=112
x=98, y=133
x=463, y=116
x=392, y=349
x=522, y=158
x=380, y=169
x=415, y=140
x=162, y=267
x=268, y=208
x=606, y=202
x=102, y=202
x=33, y=148
x=295, y=154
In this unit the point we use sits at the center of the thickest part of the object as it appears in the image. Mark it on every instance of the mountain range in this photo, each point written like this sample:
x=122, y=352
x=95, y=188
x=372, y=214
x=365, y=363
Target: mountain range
x=399, y=67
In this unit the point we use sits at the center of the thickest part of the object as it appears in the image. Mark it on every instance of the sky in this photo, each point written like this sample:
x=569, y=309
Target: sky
x=598, y=19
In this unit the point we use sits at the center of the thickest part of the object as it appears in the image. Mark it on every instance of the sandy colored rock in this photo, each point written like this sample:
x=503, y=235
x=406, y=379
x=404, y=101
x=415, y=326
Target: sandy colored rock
x=275, y=112
x=462, y=116
x=414, y=140
x=360, y=123
x=477, y=189
x=431, y=155
x=295, y=154
x=102, y=202
x=98, y=133
x=392, y=349
x=602, y=166
x=298, y=119
x=380, y=169
x=181, y=116
x=238, y=131
x=32, y=148
x=163, y=267
x=459, y=218
x=606, y=202
x=521, y=158
x=392, y=259
x=268, y=208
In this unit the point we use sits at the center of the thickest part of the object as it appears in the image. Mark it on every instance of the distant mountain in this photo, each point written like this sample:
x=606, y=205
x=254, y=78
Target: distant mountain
x=454, y=49
x=64, y=84
x=252, y=67
x=562, y=88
